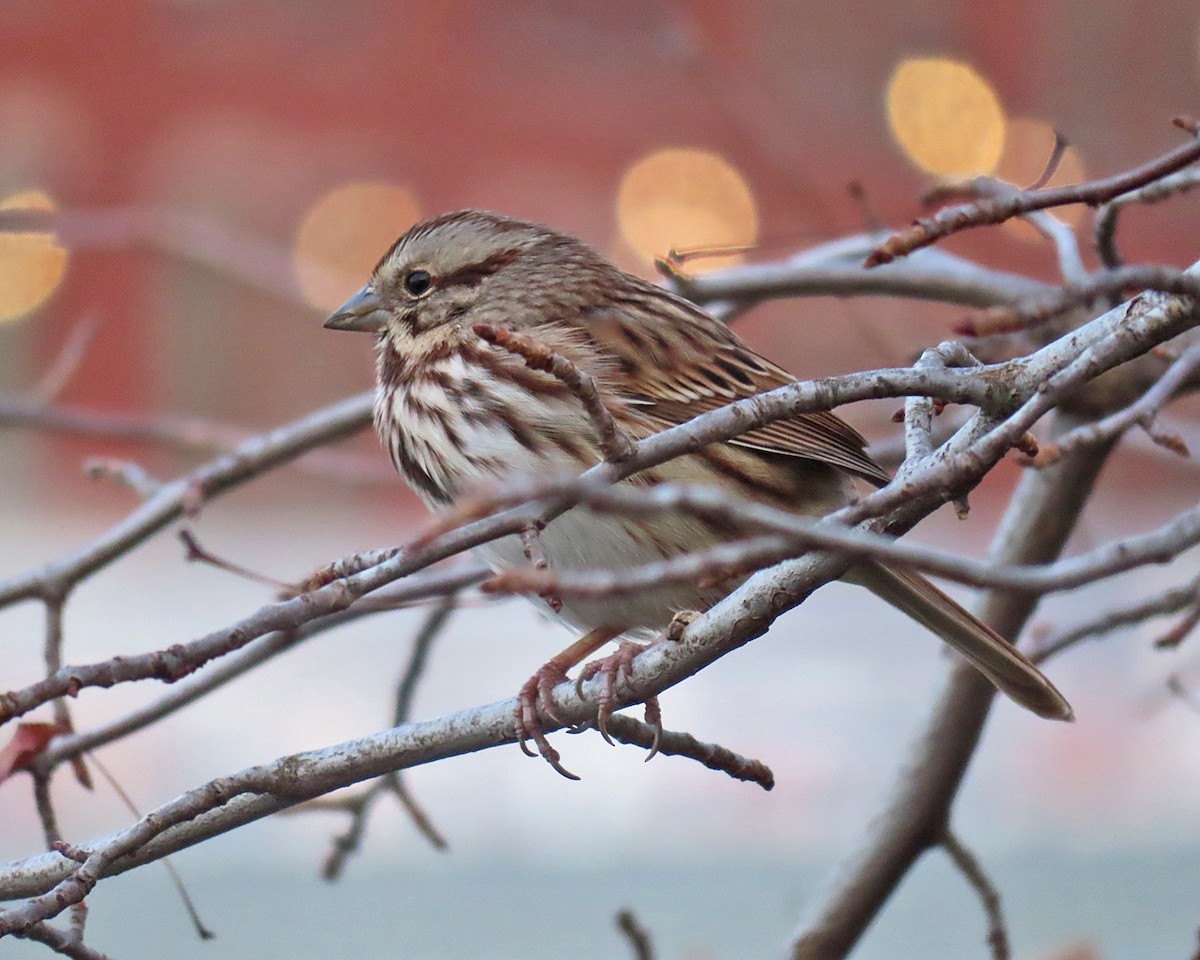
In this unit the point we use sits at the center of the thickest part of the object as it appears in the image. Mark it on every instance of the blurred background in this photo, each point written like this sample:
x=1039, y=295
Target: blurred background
x=223, y=173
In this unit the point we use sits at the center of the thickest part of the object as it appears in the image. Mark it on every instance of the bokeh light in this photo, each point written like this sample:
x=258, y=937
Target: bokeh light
x=686, y=199
x=343, y=235
x=31, y=262
x=946, y=117
x=1028, y=146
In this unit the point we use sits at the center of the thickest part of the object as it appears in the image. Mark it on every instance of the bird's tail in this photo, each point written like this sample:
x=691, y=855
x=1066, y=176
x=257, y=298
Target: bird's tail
x=997, y=659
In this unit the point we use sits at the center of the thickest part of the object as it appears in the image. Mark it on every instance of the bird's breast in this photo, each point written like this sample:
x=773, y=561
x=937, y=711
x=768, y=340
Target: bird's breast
x=453, y=425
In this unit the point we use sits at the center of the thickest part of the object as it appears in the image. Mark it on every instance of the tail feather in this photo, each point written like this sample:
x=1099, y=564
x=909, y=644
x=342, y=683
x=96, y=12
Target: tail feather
x=997, y=659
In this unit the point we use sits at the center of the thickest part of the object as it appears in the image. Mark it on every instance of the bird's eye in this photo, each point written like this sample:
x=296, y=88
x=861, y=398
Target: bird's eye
x=418, y=282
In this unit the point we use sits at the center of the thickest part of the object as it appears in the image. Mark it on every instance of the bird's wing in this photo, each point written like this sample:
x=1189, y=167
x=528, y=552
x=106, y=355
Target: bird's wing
x=673, y=372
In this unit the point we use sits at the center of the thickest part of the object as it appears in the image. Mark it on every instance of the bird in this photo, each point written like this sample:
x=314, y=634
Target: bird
x=456, y=412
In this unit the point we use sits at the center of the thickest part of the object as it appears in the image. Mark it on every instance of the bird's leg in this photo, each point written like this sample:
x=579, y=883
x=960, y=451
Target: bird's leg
x=536, y=699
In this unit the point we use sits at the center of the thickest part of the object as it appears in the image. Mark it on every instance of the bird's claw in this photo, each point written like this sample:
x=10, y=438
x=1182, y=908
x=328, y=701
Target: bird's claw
x=534, y=701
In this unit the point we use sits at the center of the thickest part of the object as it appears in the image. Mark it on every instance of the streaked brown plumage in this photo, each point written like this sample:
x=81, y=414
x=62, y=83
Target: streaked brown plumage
x=455, y=412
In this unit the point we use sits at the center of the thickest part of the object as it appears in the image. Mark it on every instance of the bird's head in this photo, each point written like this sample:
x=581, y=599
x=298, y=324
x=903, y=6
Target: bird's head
x=451, y=271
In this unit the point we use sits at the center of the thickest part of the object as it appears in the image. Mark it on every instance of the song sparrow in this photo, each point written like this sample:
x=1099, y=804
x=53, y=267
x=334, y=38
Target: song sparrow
x=454, y=411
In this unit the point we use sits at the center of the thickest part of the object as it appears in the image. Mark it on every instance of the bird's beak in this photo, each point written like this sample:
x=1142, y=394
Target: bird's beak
x=364, y=312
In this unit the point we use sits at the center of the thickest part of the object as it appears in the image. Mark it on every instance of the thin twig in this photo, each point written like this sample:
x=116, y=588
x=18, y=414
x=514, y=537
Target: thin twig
x=184, y=434
x=1106, y=216
x=1180, y=631
x=676, y=744
x=1171, y=601
x=635, y=933
x=47, y=815
x=189, y=905
x=973, y=872
x=63, y=368
x=196, y=553
x=359, y=807
x=1052, y=162
x=52, y=652
x=1066, y=244
x=615, y=443
x=416, y=813
x=434, y=623
x=1031, y=313
x=1141, y=412
x=60, y=942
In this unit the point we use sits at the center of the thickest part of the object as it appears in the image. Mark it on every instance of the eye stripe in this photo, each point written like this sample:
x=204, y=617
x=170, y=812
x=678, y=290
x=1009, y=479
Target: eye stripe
x=474, y=273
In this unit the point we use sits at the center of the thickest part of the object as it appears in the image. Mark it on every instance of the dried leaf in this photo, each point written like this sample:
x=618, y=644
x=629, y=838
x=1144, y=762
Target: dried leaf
x=27, y=742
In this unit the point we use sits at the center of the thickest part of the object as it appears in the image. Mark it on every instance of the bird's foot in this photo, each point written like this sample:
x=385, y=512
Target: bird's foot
x=612, y=668
x=536, y=699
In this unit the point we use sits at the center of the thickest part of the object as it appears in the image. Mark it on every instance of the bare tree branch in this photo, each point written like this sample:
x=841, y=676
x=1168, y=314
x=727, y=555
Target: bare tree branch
x=226, y=472
x=1055, y=378
x=60, y=942
x=1171, y=601
x=837, y=270
x=185, y=434
x=996, y=210
x=674, y=744
x=63, y=368
x=1038, y=521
